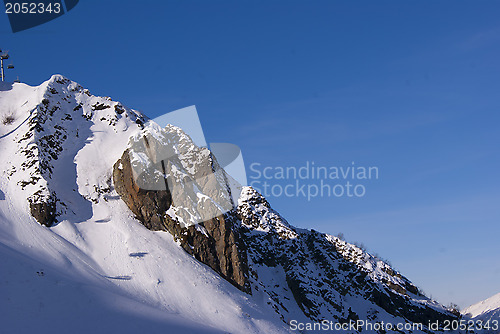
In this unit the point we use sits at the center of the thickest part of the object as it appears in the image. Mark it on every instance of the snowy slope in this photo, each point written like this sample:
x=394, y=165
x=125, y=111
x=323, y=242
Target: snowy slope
x=486, y=310
x=97, y=269
x=487, y=305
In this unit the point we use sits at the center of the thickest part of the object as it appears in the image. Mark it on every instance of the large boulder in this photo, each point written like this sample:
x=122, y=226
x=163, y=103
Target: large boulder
x=215, y=242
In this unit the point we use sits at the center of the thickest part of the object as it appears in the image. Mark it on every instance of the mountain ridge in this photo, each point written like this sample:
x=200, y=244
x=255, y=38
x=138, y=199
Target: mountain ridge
x=487, y=311
x=68, y=152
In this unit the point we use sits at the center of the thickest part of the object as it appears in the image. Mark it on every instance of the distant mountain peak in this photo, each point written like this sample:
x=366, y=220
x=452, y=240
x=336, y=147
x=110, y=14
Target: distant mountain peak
x=487, y=311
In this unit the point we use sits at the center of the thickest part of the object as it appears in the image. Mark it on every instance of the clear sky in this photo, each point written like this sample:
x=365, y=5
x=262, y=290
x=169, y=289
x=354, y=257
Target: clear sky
x=411, y=87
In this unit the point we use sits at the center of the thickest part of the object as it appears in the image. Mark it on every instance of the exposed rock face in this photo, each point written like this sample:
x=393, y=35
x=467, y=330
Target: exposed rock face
x=44, y=211
x=214, y=242
x=148, y=205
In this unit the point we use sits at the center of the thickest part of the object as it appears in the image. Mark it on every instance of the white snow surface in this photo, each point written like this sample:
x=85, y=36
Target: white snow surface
x=483, y=307
x=98, y=270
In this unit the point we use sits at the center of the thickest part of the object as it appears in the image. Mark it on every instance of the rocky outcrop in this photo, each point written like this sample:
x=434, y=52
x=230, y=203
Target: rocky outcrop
x=149, y=206
x=215, y=242
x=44, y=211
x=324, y=273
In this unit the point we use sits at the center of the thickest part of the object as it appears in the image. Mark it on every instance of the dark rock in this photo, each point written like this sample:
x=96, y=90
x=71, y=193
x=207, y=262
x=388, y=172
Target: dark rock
x=99, y=106
x=119, y=109
x=220, y=248
x=44, y=211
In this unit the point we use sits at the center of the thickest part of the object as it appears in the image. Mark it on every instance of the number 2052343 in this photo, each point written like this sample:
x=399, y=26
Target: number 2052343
x=32, y=8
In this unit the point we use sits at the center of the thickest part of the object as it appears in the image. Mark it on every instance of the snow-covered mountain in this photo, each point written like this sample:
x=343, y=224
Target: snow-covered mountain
x=487, y=310
x=100, y=233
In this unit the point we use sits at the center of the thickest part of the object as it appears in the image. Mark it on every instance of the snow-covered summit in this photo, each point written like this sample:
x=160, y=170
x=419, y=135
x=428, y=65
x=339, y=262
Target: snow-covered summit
x=486, y=311
x=490, y=304
x=48, y=129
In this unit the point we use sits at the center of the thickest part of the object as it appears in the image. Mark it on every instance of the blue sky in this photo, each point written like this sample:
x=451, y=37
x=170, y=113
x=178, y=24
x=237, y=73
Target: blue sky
x=410, y=87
